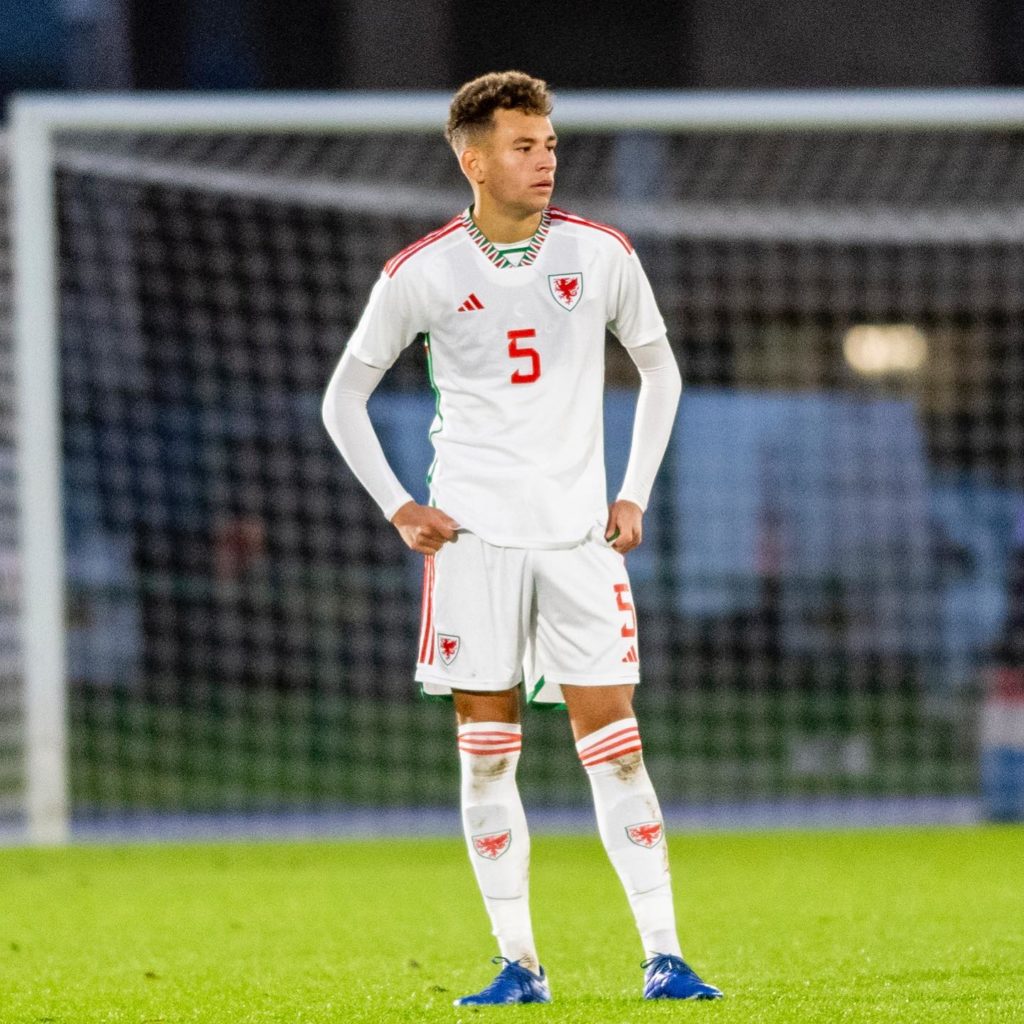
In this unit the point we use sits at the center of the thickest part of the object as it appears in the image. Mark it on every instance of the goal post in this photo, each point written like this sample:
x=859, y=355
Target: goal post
x=42, y=594
x=115, y=141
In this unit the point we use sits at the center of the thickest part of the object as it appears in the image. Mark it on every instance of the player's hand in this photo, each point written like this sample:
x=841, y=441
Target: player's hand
x=625, y=526
x=424, y=529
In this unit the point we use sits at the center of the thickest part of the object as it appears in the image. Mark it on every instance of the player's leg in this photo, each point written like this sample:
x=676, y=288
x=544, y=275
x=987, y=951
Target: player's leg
x=587, y=642
x=632, y=830
x=587, y=650
x=628, y=815
x=490, y=740
x=471, y=648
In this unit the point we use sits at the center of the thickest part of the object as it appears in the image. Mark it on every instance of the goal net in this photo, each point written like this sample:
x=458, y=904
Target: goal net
x=825, y=575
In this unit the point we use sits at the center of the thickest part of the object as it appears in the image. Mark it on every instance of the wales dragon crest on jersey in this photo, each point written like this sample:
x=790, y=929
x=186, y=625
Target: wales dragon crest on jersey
x=567, y=289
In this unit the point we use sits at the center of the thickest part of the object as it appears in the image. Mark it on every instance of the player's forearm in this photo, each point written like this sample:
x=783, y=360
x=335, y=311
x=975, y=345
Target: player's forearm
x=348, y=423
x=660, y=387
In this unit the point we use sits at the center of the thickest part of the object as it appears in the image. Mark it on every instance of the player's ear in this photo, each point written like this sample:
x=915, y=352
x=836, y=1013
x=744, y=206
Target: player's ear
x=472, y=163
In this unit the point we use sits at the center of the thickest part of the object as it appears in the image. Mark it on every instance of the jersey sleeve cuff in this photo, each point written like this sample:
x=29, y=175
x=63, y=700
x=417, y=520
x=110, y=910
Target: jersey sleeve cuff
x=637, y=499
x=393, y=506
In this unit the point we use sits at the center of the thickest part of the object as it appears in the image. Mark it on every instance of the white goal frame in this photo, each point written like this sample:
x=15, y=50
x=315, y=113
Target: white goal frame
x=34, y=121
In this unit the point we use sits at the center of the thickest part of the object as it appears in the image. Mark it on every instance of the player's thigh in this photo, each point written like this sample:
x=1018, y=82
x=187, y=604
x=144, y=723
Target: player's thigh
x=487, y=707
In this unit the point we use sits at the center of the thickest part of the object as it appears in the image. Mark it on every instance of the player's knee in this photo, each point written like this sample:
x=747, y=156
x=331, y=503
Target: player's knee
x=593, y=708
x=502, y=707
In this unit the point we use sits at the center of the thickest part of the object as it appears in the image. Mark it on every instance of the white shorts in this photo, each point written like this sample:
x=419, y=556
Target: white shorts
x=497, y=617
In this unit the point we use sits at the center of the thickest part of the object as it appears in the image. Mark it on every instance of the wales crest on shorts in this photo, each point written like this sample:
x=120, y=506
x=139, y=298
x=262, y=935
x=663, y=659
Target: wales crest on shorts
x=566, y=289
x=448, y=647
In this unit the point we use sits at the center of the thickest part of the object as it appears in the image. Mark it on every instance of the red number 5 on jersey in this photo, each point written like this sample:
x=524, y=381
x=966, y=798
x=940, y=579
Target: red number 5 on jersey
x=517, y=352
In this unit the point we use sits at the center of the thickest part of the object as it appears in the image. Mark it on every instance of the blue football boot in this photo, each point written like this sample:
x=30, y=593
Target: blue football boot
x=514, y=984
x=670, y=977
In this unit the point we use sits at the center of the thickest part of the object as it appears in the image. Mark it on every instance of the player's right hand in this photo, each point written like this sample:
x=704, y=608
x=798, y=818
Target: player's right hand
x=423, y=528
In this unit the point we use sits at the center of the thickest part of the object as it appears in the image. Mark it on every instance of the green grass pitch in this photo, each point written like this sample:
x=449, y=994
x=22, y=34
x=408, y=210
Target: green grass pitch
x=906, y=925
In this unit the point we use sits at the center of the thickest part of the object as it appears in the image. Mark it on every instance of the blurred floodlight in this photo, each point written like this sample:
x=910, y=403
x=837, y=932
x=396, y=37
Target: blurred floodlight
x=876, y=349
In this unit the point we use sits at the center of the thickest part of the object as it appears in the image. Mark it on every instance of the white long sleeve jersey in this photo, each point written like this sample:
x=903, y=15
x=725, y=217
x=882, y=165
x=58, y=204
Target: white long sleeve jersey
x=516, y=360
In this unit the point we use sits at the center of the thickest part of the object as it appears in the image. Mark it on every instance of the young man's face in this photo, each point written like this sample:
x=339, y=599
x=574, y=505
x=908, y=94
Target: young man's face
x=514, y=163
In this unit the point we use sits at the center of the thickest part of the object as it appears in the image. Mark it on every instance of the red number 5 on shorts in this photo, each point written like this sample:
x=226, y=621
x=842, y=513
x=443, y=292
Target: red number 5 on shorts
x=621, y=589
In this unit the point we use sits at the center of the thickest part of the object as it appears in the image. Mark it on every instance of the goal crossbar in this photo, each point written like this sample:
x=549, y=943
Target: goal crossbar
x=577, y=111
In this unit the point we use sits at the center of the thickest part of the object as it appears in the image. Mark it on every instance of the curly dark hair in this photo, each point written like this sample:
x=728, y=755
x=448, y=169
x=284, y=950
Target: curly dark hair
x=474, y=104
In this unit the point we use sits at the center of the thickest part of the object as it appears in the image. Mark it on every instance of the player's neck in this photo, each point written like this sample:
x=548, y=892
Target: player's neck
x=499, y=226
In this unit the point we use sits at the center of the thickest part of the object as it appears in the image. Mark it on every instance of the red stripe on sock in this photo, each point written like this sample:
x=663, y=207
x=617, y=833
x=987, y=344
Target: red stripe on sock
x=465, y=744
x=497, y=741
x=510, y=749
x=609, y=750
x=488, y=734
x=616, y=737
x=613, y=755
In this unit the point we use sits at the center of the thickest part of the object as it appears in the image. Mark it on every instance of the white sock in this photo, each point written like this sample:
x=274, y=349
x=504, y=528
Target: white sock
x=496, y=835
x=630, y=823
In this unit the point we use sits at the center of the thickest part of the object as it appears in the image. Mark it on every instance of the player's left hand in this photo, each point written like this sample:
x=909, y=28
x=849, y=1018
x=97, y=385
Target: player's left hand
x=625, y=526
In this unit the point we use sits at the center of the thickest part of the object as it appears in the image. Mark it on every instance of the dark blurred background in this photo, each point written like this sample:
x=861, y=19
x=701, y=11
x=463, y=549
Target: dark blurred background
x=412, y=44
x=832, y=582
